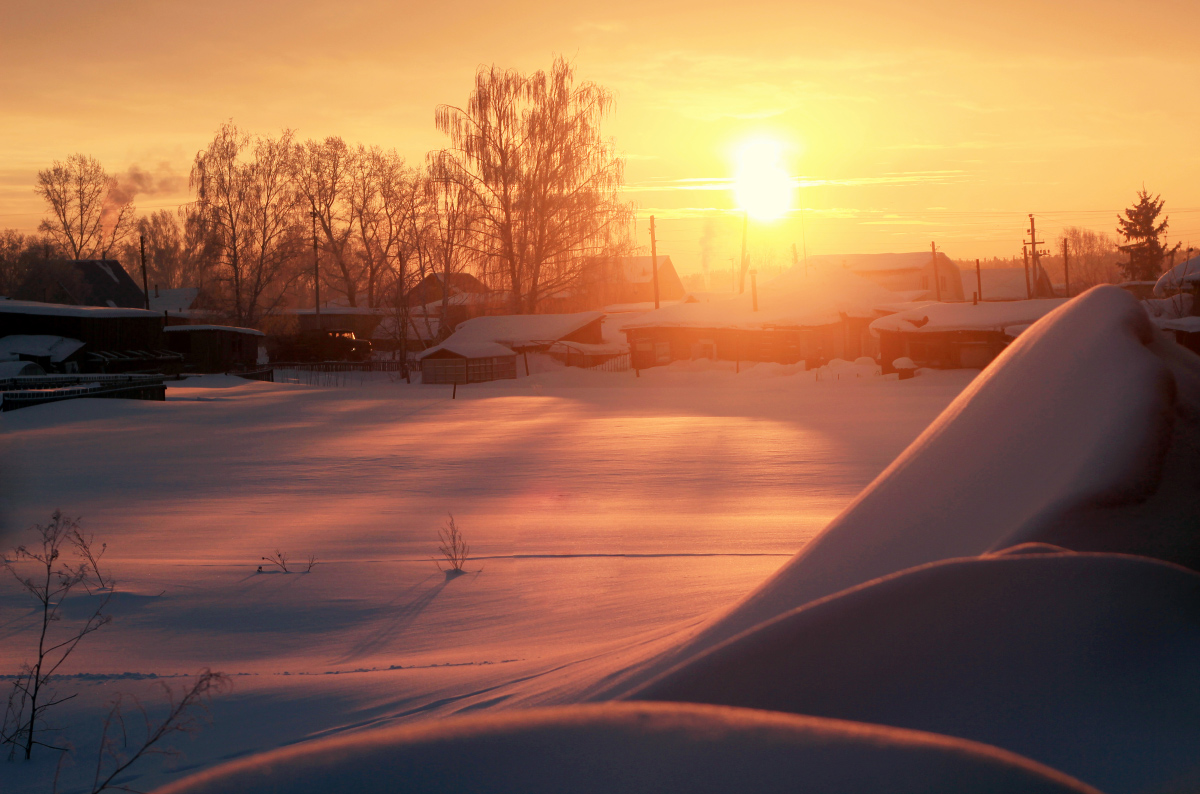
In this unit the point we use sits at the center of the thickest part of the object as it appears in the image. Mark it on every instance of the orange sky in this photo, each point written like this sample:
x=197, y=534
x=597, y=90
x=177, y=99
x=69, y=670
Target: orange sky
x=906, y=123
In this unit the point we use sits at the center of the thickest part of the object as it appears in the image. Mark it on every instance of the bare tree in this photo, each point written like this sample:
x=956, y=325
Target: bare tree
x=323, y=172
x=452, y=216
x=1094, y=257
x=118, y=753
x=247, y=206
x=529, y=148
x=50, y=583
x=12, y=265
x=176, y=249
x=90, y=214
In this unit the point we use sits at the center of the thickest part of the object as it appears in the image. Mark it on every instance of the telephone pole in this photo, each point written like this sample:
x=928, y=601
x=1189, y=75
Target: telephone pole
x=1066, y=269
x=654, y=260
x=316, y=271
x=978, y=283
x=1025, y=256
x=937, y=282
x=1035, y=266
x=145, y=285
x=745, y=264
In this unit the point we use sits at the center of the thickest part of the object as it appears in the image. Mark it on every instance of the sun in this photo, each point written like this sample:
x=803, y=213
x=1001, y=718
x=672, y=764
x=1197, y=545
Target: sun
x=761, y=185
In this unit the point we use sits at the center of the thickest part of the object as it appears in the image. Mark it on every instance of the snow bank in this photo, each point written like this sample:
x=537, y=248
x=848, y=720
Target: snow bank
x=1077, y=414
x=1085, y=662
x=793, y=300
x=986, y=316
x=1183, y=275
x=631, y=748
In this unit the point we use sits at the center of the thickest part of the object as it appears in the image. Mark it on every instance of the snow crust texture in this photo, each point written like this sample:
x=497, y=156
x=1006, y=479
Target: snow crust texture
x=1085, y=662
x=1077, y=414
x=633, y=748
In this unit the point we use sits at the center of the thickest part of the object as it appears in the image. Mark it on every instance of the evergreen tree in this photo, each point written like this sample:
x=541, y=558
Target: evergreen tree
x=1143, y=246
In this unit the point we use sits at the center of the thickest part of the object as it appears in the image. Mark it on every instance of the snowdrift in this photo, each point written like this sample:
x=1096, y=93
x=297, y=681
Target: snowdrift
x=1085, y=662
x=1076, y=417
x=630, y=748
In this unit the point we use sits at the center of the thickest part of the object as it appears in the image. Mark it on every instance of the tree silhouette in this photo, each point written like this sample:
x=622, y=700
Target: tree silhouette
x=90, y=214
x=529, y=150
x=1143, y=245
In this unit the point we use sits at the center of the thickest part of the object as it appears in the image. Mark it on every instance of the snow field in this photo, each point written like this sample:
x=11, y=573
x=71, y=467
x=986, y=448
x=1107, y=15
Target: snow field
x=606, y=513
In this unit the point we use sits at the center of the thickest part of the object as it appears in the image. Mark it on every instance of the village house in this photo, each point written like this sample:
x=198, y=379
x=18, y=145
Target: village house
x=814, y=318
x=110, y=339
x=215, y=348
x=956, y=335
x=82, y=282
x=577, y=339
x=916, y=276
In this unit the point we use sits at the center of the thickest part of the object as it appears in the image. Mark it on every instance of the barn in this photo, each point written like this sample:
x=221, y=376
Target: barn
x=956, y=335
x=796, y=317
x=113, y=339
x=467, y=362
x=215, y=348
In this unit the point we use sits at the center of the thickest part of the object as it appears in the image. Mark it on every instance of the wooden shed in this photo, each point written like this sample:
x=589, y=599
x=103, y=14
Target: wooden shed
x=215, y=348
x=467, y=362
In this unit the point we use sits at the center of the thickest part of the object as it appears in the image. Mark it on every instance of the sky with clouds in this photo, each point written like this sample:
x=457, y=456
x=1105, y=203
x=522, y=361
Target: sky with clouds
x=902, y=123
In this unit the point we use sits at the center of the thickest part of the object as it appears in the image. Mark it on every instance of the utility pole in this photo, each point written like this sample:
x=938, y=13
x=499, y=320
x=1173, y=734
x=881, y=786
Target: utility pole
x=978, y=282
x=145, y=284
x=1066, y=269
x=754, y=289
x=745, y=264
x=937, y=282
x=1025, y=256
x=803, y=235
x=654, y=260
x=1035, y=266
x=316, y=271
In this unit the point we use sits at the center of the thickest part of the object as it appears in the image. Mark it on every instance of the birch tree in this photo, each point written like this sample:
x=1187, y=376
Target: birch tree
x=89, y=214
x=529, y=150
x=248, y=207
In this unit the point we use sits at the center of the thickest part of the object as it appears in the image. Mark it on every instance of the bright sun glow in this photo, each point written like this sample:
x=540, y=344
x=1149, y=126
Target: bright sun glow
x=761, y=185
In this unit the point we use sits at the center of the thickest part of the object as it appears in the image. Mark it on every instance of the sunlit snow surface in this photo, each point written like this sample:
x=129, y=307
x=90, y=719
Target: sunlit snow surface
x=603, y=510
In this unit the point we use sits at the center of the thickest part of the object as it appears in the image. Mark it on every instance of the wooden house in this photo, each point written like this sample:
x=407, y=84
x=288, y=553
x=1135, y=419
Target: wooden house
x=114, y=339
x=956, y=335
x=467, y=362
x=917, y=275
x=215, y=348
x=796, y=317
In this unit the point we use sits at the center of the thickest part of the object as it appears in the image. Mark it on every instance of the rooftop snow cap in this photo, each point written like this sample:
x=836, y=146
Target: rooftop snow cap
x=1185, y=275
x=935, y=317
x=55, y=348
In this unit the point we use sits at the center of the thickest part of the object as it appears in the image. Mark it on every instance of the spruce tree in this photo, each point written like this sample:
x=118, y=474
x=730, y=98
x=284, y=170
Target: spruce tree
x=1142, y=236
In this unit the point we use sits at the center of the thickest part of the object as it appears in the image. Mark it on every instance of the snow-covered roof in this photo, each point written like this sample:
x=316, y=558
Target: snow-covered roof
x=343, y=310
x=999, y=283
x=792, y=300
x=56, y=348
x=522, y=330
x=1189, y=325
x=877, y=263
x=1001, y=316
x=1175, y=279
x=640, y=269
x=62, y=310
x=177, y=328
x=177, y=300
x=468, y=349
x=17, y=369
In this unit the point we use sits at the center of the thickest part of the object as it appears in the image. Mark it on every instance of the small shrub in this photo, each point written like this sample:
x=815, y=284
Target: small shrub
x=453, y=548
x=278, y=559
